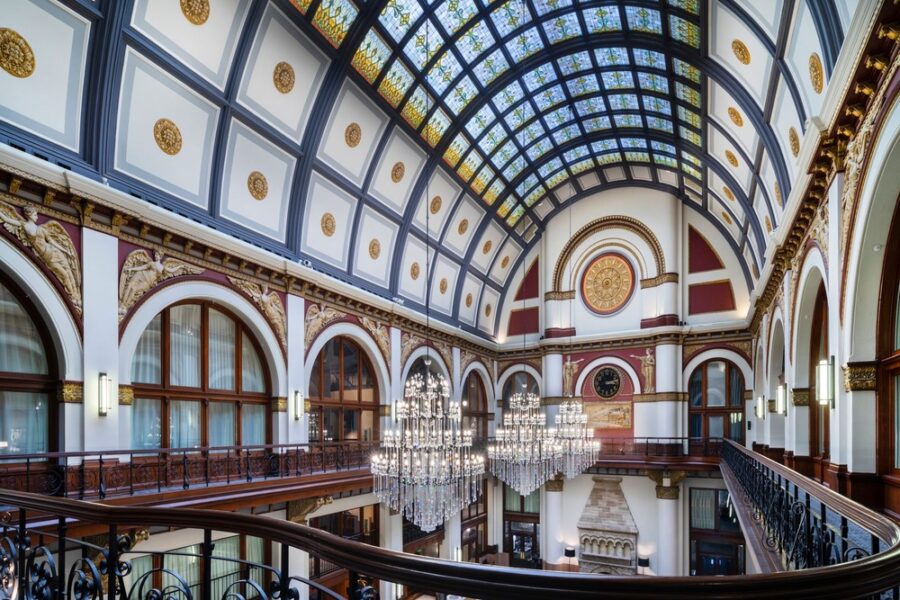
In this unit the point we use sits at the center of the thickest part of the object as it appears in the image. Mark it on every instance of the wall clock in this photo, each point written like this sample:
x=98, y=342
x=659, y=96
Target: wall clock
x=607, y=382
x=607, y=283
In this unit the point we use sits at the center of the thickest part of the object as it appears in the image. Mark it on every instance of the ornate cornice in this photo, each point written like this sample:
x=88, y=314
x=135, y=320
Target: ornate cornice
x=71, y=392
x=771, y=405
x=666, y=492
x=860, y=376
x=126, y=395
x=298, y=510
x=660, y=397
x=556, y=484
x=279, y=404
x=652, y=282
x=564, y=295
x=557, y=400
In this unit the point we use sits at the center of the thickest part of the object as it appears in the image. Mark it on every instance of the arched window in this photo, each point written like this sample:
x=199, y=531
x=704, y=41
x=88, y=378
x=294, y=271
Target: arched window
x=343, y=394
x=198, y=381
x=520, y=381
x=819, y=436
x=889, y=358
x=474, y=407
x=716, y=395
x=27, y=376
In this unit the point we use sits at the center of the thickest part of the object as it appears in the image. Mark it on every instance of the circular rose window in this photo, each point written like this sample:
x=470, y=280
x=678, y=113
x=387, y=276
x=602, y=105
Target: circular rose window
x=607, y=283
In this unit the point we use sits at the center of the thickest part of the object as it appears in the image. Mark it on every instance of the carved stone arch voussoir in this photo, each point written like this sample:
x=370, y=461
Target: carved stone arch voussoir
x=601, y=224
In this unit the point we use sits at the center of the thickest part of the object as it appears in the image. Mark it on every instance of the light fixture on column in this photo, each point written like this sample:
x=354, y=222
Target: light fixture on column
x=569, y=554
x=781, y=399
x=300, y=409
x=825, y=381
x=760, y=407
x=643, y=563
x=103, y=382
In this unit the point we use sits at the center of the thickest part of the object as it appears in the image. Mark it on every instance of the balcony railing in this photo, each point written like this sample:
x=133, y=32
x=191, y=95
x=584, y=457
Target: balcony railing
x=107, y=474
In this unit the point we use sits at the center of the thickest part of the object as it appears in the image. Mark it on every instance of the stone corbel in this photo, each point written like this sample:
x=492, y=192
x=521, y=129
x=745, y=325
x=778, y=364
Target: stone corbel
x=670, y=491
x=556, y=484
x=299, y=510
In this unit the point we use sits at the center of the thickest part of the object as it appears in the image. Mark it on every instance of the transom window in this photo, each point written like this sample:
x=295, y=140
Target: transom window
x=716, y=395
x=343, y=394
x=198, y=381
x=27, y=378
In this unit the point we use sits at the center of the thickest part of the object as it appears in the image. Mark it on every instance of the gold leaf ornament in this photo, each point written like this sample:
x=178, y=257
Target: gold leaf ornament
x=16, y=55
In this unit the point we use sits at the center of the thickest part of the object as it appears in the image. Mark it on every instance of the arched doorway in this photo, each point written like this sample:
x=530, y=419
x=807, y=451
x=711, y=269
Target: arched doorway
x=475, y=410
x=819, y=414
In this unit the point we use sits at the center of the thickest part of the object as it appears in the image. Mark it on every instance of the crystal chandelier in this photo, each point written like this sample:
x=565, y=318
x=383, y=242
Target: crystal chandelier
x=579, y=448
x=426, y=468
x=524, y=453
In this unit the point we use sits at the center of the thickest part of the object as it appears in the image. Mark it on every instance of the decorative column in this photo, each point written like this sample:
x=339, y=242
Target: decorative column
x=298, y=511
x=451, y=548
x=668, y=531
x=552, y=376
x=390, y=532
x=287, y=424
x=554, y=546
x=667, y=357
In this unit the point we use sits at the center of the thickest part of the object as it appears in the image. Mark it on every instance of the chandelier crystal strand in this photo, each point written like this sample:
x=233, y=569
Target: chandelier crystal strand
x=579, y=448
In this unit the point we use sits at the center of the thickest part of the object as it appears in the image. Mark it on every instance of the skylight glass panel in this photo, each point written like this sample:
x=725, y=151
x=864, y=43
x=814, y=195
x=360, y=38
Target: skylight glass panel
x=519, y=115
x=505, y=153
x=686, y=70
x=631, y=143
x=531, y=133
x=515, y=216
x=684, y=31
x=505, y=208
x=550, y=166
x=659, y=123
x=469, y=165
x=508, y=96
x=436, y=127
x=596, y=124
x=649, y=58
x=602, y=146
x=416, y=107
x=690, y=135
x=333, y=19
x=628, y=120
x=525, y=44
x=656, y=104
x=616, y=80
x=691, y=6
x=590, y=106
x=645, y=20
x=576, y=153
x=560, y=116
x=546, y=6
x=582, y=166
x=444, y=71
x=371, y=56
x=491, y=67
x=495, y=136
x=562, y=28
x=535, y=195
x=609, y=158
x=511, y=15
x=494, y=191
x=515, y=167
x=664, y=160
x=611, y=57
x=622, y=101
x=453, y=14
x=480, y=120
x=687, y=94
x=526, y=184
x=424, y=44
x=689, y=117
x=456, y=149
x=653, y=82
x=690, y=171
x=583, y=85
x=602, y=18
x=538, y=149
x=557, y=178
x=462, y=93
x=398, y=16
x=573, y=63
x=566, y=134
x=691, y=158
x=474, y=41
x=481, y=181
x=396, y=83
x=549, y=98
x=637, y=157
x=539, y=77
x=662, y=147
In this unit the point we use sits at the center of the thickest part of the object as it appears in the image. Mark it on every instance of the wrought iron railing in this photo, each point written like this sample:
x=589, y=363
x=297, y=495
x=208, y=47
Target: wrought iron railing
x=805, y=523
x=107, y=474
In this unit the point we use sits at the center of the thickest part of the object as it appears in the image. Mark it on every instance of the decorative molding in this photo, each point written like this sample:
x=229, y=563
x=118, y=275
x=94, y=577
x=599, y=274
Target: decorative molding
x=653, y=282
x=557, y=400
x=384, y=410
x=16, y=55
x=71, y=392
x=556, y=484
x=666, y=492
x=860, y=376
x=299, y=510
x=140, y=273
x=257, y=185
x=50, y=243
x=269, y=303
x=800, y=396
x=607, y=283
x=317, y=317
x=380, y=334
x=328, y=224
x=280, y=404
x=195, y=11
x=660, y=397
x=398, y=171
x=741, y=52
x=566, y=295
x=126, y=395
x=283, y=77
x=167, y=136
x=353, y=135
x=771, y=405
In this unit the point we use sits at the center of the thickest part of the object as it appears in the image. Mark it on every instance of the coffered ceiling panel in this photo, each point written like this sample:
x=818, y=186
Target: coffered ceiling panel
x=328, y=222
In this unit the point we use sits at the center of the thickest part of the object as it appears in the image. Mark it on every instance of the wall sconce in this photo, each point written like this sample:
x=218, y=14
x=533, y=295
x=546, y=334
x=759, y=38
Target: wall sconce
x=643, y=563
x=103, y=394
x=760, y=408
x=569, y=553
x=825, y=381
x=781, y=399
x=298, y=405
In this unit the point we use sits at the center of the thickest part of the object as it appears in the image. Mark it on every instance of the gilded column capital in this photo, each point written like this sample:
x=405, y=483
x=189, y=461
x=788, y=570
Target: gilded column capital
x=71, y=392
x=126, y=395
x=860, y=376
x=556, y=484
x=279, y=404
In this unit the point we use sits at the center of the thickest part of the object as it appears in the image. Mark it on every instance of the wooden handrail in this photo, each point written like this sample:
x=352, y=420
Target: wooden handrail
x=855, y=579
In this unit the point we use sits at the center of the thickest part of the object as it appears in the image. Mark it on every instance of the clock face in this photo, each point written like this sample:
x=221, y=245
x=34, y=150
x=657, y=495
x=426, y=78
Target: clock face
x=607, y=382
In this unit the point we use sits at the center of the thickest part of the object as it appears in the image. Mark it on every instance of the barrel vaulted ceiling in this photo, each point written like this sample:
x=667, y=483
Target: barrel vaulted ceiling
x=333, y=130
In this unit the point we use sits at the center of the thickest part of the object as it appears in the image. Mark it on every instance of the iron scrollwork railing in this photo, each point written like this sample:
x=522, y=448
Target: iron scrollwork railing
x=799, y=524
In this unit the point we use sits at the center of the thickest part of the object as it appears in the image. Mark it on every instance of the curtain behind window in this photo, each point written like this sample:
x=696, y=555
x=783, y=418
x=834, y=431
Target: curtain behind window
x=253, y=424
x=23, y=422
x=21, y=348
x=221, y=423
x=703, y=509
x=251, y=367
x=184, y=424
x=145, y=366
x=184, y=345
x=221, y=351
x=186, y=567
x=225, y=572
x=146, y=423
x=139, y=566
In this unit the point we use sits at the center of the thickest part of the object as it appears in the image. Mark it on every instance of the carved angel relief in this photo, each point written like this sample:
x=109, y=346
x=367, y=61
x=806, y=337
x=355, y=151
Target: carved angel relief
x=141, y=273
x=317, y=317
x=50, y=243
x=269, y=302
x=381, y=334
